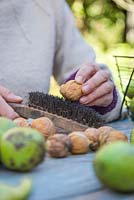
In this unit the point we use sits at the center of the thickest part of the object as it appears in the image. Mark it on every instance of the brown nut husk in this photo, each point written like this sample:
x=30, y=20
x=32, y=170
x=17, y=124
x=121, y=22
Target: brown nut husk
x=58, y=145
x=93, y=136
x=80, y=143
x=44, y=125
x=22, y=122
x=104, y=134
x=116, y=136
x=71, y=90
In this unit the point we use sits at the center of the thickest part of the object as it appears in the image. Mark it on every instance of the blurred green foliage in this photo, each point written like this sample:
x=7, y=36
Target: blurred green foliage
x=101, y=20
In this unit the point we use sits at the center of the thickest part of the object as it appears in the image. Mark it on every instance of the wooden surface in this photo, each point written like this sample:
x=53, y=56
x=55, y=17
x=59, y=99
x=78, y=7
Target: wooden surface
x=67, y=125
x=71, y=178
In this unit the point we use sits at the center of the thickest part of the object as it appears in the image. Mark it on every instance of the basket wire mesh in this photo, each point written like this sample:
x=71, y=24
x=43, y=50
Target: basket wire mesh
x=125, y=68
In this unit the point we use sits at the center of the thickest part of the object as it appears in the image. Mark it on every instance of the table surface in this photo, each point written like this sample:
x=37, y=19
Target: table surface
x=70, y=178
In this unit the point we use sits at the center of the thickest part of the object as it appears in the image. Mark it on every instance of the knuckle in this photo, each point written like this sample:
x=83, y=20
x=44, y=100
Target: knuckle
x=87, y=67
x=108, y=73
x=92, y=85
x=81, y=71
x=84, y=66
x=96, y=67
x=109, y=87
x=92, y=67
x=92, y=97
x=104, y=74
x=111, y=83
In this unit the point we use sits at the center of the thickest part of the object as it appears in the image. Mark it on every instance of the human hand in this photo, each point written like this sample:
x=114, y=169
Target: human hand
x=6, y=96
x=97, y=85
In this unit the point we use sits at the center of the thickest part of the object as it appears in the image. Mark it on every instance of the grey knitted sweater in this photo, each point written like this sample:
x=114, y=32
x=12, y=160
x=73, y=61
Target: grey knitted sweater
x=38, y=38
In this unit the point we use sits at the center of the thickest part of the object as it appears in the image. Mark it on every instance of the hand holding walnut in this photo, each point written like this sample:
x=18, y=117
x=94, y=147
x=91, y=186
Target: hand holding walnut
x=97, y=86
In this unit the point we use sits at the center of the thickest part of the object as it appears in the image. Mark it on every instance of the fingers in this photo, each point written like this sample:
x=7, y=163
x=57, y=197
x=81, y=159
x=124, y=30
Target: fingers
x=105, y=89
x=95, y=81
x=6, y=110
x=9, y=96
x=103, y=101
x=85, y=72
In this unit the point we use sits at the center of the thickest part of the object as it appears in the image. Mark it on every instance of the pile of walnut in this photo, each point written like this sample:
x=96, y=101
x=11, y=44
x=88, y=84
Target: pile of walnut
x=61, y=145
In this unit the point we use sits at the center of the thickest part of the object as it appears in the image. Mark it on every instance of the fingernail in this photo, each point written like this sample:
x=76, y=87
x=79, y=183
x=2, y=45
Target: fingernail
x=83, y=100
x=18, y=98
x=79, y=79
x=85, y=88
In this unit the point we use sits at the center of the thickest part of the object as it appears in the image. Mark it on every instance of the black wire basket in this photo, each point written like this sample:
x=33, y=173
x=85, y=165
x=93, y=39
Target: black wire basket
x=125, y=68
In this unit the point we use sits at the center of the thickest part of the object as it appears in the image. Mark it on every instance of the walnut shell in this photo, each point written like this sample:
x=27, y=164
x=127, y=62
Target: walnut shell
x=115, y=136
x=71, y=90
x=93, y=136
x=58, y=145
x=104, y=134
x=20, y=121
x=80, y=143
x=62, y=138
x=44, y=125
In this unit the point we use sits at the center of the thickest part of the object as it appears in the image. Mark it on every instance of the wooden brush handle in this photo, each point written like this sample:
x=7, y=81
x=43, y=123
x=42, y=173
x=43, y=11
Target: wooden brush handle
x=62, y=123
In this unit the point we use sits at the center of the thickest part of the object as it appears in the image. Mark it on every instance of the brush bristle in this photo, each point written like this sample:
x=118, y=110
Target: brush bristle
x=65, y=108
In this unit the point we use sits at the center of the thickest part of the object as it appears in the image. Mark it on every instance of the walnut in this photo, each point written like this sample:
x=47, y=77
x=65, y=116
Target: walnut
x=62, y=138
x=44, y=125
x=80, y=143
x=22, y=122
x=71, y=90
x=108, y=134
x=58, y=145
x=115, y=136
x=104, y=134
x=93, y=136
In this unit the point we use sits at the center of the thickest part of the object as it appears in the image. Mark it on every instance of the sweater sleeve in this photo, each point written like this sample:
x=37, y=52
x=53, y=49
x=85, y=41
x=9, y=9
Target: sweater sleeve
x=71, y=50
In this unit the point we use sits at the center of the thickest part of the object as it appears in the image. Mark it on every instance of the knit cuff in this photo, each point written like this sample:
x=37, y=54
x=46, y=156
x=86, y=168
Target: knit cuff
x=100, y=109
x=71, y=77
x=103, y=110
